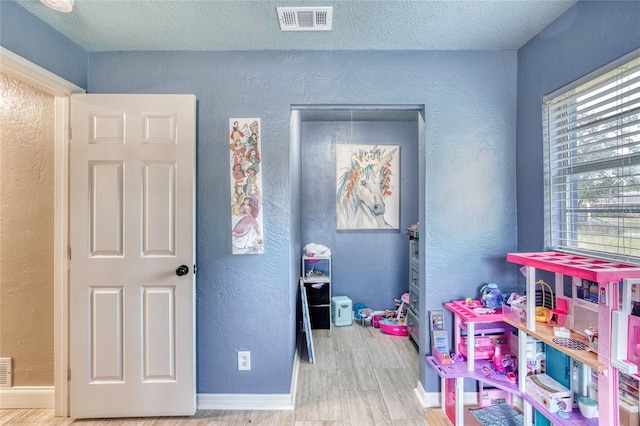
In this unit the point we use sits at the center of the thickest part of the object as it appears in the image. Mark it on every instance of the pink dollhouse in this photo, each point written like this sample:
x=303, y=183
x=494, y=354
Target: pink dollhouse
x=599, y=305
x=612, y=316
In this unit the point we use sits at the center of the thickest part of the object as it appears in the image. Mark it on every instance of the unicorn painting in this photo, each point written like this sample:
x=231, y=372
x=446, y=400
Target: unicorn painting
x=365, y=195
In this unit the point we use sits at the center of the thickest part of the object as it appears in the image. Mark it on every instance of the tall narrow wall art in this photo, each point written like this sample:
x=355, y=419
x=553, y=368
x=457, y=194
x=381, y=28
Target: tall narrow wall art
x=247, y=231
x=367, y=186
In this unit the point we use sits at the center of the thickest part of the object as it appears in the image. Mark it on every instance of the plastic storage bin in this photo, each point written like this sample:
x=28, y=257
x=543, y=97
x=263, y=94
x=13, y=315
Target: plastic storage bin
x=341, y=311
x=394, y=326
x=318, y=293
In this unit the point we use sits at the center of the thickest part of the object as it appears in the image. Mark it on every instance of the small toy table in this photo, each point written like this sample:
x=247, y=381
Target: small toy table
x=475, y=319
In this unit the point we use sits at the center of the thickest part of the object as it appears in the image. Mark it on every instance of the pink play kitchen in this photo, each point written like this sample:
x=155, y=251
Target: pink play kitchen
x=588, y=321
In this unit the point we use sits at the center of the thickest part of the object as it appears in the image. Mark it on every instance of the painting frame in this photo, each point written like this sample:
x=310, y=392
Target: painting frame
x=367, y=187
x=245, y=159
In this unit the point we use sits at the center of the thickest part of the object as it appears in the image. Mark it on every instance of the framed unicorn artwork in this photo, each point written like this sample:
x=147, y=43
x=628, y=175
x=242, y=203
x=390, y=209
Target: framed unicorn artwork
x=247, y=229
x=367, y=186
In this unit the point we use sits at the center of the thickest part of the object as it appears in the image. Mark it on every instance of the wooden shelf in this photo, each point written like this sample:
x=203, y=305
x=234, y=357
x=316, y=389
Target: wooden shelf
x=545, y=334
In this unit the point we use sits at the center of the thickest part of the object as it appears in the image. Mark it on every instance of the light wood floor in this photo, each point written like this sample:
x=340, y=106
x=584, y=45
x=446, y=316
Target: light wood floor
x=361, y=377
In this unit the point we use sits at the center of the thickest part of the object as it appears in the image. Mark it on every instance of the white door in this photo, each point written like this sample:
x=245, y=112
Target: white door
x=132, y=182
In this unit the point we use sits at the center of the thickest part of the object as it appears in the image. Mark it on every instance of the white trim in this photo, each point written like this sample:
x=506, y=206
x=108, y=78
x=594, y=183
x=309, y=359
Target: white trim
x=27, y=397
x=30, y=73
x=61, y=258
x=220, y=401
x=294, y=378
x=210, y=401
x=432, y=399
x=424, y=398
x=35, y=75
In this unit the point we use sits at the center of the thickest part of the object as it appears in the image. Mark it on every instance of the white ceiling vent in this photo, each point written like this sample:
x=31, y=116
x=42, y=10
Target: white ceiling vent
x=305, y=18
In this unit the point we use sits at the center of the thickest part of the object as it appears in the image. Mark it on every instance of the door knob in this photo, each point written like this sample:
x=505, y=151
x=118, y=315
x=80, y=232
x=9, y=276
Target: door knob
x=182, y=270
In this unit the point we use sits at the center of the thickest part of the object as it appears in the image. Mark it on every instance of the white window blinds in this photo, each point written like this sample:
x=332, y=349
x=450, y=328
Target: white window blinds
x=592, y=164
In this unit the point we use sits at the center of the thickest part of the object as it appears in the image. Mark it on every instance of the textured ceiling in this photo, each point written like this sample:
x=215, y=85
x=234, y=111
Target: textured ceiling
x=106, y=25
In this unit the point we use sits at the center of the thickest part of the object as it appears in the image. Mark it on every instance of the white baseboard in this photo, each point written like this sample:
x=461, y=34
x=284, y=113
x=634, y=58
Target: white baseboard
x=27, y=397
x=238, y=401
x=253, y=401
x=44, y=397
x=433, y=399
x=423, y=397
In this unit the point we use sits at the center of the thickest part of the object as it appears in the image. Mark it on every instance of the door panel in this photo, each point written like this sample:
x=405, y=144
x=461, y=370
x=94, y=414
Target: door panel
x=132, y=224
x=159, y=206
x=159, y=348
x=106, y=335
x=106, y=207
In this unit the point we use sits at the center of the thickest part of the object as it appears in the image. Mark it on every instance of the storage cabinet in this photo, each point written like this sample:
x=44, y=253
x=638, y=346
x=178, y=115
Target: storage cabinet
x=316, y=276
x=413, y=311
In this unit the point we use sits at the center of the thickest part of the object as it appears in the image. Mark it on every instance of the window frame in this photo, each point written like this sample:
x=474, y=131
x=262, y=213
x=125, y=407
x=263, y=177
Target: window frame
x=572, y=162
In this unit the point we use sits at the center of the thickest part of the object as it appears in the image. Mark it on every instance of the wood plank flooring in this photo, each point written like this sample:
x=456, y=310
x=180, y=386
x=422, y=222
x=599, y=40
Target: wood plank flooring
x=361, y=377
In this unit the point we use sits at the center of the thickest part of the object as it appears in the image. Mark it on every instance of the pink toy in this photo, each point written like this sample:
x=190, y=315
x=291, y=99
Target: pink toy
x=559, y=312
x=394, y=326
x=484, y=346
x=633, y=347
x=497, y=361
x=376, y=321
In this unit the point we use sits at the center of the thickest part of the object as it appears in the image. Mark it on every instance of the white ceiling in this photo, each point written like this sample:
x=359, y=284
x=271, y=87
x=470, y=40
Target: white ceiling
x=112, y=25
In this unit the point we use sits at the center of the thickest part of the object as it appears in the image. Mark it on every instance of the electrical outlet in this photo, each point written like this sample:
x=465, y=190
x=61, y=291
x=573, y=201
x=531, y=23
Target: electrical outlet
x=244, y=360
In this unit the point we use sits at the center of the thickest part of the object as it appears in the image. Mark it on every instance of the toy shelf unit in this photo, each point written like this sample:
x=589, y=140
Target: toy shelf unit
x=600, y=305
x=477, y=333
x=316, y=277
x=485, y=325
x=413, y=311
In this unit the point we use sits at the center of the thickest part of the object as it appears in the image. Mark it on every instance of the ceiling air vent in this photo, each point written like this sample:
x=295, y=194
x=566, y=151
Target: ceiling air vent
x=305, y=18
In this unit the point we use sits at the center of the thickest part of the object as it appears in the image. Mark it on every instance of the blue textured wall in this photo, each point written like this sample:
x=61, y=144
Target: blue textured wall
x=246, y=302
x=466, y=158
x=369, y=267
x=27, y=36
x=588, y=36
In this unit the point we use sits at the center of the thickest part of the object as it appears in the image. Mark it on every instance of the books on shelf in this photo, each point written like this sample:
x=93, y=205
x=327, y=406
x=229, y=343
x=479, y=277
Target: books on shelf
x=436, y=319
x=439, y=333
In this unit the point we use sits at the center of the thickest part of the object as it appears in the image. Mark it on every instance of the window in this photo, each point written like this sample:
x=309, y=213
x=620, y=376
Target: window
x=592, y=164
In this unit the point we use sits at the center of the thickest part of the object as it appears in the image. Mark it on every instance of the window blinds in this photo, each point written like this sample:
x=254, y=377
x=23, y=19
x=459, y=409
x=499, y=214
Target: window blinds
x=592, y=165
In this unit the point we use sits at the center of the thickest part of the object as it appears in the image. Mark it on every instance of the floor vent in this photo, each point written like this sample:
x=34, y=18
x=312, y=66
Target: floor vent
x=305, y=18
x=5, y=373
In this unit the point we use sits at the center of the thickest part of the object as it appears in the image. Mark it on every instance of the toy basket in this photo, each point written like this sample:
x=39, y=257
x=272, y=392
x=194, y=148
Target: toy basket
x=394, y=326
x=542, y=312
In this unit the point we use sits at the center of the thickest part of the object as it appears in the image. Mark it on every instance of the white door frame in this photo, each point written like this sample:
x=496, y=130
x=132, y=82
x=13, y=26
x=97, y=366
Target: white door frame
x=28, y=72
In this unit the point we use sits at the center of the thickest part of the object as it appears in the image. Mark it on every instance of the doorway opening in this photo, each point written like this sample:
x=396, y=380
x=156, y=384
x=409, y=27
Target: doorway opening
x=370, y=266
